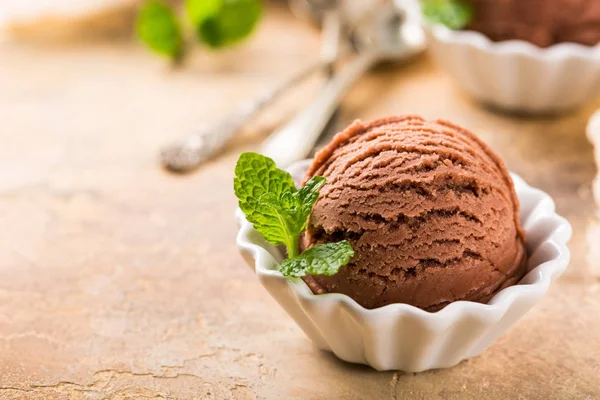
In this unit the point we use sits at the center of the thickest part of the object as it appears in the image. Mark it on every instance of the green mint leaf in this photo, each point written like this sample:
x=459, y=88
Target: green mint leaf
x=158, y=27
x=306, y=199
x=323, y=259
x=284, y=227
x=220, y=23
x=260, y=188
x=294, y=207
x=455, y=14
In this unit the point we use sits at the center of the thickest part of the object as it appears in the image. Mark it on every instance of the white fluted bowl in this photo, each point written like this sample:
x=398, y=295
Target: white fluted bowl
x=404, y=337
x=516, y=75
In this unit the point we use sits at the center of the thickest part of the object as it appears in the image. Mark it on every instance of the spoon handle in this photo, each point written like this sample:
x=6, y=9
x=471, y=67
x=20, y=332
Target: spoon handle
x=190, y=152
x=296, y=139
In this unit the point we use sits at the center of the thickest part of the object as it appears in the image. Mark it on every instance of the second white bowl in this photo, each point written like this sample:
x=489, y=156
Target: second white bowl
x=516, y=75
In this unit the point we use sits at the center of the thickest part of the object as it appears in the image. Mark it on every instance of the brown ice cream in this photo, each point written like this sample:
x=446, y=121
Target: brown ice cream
x=429, y=209
x=541, y=22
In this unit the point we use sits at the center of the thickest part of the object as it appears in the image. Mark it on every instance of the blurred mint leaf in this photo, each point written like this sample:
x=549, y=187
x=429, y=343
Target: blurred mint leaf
x=455, y=14
x=220, y=23
x=199, y=10
x=323, y=259
x=158, y=27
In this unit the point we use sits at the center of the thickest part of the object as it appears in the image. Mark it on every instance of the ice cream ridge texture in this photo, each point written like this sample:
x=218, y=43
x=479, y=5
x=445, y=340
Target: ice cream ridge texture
x=429, y=209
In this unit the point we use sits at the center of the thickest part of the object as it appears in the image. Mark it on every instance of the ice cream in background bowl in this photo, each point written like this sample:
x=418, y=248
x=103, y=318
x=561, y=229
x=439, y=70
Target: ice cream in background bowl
x=527, y=56
x=449, y=248
x=541, y=22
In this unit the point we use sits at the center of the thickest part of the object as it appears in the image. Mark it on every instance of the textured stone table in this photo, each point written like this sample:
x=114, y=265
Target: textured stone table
x=120, y=281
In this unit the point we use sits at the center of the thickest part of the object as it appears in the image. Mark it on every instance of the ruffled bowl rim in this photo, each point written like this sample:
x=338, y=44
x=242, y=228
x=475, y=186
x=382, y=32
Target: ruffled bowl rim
x=482, y=42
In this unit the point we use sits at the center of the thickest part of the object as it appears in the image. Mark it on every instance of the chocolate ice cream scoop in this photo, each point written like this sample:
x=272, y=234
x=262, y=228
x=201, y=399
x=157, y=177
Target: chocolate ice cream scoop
x=429, y=209
x=541, y=22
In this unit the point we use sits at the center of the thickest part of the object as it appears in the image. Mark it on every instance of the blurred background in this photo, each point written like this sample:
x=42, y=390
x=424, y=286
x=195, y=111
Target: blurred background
x=120, y=276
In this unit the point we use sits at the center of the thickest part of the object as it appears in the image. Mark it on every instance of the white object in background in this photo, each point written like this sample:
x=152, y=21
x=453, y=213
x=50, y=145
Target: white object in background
x=51, y=20
x=593, y=133
x=593, y=230
x=404, y=337
x=516, y=75
x=32, y=9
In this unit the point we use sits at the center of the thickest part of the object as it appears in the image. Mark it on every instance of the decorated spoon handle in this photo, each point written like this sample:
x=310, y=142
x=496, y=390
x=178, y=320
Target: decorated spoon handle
x=189, y=153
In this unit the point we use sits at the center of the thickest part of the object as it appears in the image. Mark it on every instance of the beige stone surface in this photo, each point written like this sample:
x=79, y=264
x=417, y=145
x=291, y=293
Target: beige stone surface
x=120, y=281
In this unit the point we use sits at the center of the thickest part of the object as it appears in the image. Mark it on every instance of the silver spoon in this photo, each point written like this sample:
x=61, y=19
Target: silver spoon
x=386, y=34
x=187, y=154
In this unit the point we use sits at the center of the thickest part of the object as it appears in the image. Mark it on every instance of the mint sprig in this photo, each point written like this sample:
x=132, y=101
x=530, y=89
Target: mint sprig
x=269, y=199
x=455, y=14
x=216, y=23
